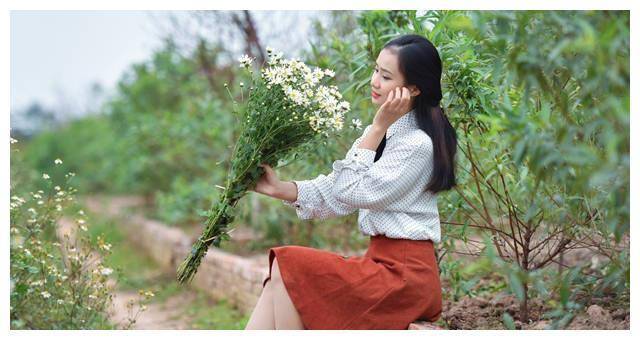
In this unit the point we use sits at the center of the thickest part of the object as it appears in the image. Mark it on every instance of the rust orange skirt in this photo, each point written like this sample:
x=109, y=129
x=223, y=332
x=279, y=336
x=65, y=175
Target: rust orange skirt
x=393, y=284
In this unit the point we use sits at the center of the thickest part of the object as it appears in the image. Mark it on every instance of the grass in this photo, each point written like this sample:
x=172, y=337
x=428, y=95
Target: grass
x=206, y=314
x=134, y=269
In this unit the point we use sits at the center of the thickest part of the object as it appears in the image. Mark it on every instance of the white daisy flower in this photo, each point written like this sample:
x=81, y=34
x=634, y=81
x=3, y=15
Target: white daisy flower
x=245, y=61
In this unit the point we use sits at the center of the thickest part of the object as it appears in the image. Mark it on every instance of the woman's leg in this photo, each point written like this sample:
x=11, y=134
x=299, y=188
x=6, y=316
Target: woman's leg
x=286, y=315
x=262, y=315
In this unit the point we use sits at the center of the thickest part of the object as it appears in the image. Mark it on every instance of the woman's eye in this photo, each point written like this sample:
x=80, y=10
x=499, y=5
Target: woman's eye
x=386, y=78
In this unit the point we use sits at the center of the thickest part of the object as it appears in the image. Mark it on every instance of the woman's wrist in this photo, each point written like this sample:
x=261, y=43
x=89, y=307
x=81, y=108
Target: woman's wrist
x=373, y=138
x=286, y=191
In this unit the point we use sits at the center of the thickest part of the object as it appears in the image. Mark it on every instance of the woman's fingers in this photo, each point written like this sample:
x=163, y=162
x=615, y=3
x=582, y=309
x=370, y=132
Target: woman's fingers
x=406, y=96
x=405, y=93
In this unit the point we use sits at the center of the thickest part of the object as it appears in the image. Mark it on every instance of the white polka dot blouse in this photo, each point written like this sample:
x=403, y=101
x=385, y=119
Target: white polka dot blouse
x=389, y=194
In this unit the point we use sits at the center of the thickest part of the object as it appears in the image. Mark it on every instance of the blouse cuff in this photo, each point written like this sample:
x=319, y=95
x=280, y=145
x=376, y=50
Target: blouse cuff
x=360, y=159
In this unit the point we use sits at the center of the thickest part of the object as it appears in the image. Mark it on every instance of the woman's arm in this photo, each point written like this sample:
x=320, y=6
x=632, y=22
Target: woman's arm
x=311, y=198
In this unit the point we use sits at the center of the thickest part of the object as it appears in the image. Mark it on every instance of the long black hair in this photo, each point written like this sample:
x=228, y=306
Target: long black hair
x=421, y=66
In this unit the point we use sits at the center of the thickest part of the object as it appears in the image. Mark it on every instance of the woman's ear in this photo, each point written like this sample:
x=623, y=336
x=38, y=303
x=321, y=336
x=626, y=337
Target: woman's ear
x=414, y=91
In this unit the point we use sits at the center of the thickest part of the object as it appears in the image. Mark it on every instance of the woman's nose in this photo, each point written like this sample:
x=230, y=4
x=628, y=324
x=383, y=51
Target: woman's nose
x=374, y=83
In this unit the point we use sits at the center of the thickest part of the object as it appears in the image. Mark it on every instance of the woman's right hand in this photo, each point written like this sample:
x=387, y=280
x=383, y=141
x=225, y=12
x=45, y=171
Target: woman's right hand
x=268, y=184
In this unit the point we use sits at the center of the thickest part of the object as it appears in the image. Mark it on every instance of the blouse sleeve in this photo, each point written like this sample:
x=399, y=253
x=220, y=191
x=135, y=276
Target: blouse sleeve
x=361, y=183
x=316, y=198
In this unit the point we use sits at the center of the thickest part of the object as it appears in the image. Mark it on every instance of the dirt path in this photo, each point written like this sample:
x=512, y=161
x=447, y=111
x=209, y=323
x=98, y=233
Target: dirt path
x=165, y=315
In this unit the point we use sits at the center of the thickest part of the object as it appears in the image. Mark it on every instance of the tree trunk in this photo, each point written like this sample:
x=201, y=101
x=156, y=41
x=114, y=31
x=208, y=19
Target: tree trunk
x=524, y=308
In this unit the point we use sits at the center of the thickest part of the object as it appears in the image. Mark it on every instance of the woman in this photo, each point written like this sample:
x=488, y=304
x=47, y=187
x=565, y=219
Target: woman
x=397, y=280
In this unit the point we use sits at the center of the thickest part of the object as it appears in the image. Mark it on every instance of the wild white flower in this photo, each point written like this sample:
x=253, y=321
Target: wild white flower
x=329, y=73
x=45, y=176
x=41, y=202
x=275, y=58
x=60, y=302
x=245, y=61
x=81, y=212
x=45, y=294
x=296, y=96
x=58, y=207
x=12, y=140
x=106, y=271
x=58, y=161
x=356, y=123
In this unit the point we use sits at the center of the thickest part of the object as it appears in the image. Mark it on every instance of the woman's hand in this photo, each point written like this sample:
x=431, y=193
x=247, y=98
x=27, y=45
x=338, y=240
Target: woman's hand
x=397, y=104
x=268, y=184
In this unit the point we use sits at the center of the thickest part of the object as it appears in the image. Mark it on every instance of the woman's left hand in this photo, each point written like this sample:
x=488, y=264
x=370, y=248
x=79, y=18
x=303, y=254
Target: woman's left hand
x=397, y=104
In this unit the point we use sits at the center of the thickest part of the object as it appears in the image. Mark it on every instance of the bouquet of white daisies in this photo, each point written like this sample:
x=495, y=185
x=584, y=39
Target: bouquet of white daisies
x=289, y=104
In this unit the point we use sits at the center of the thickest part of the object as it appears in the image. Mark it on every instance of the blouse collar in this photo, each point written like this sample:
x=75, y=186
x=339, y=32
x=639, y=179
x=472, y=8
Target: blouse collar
x=407, y=122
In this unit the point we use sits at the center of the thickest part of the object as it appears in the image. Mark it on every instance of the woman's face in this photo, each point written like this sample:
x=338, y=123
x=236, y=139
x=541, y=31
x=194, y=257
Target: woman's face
x=386, y=77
